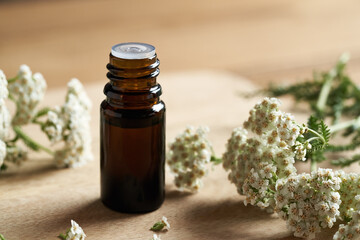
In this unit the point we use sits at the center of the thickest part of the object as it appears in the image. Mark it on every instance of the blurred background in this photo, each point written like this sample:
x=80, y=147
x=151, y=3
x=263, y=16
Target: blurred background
x=277, y=40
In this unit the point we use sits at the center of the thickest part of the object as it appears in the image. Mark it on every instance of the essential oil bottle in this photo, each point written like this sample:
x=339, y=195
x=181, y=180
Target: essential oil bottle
x=132, y=131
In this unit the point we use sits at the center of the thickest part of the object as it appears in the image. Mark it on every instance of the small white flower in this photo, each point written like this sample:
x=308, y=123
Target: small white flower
x=27, y=90
x=75, y=228
x=16, y=155
x=156, y=237
x=264, y=153
x=351, y=230
x=165, y=221
x=231, y=158
x=75, y=232
x=5, y=120
x=304, y=203
x=188, y=157
x=349, y=189
x=71, y=123
x=75, y=87
x=3, y=86
x=54, y=126
x=2, y=152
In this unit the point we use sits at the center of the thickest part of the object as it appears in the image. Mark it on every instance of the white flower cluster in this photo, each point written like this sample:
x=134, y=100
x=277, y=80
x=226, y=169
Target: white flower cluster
x=349, y=189
x=75, y=232
x=2, y=152
x=260, y=159
x=309, y=202
x=156, y=237
x=232, y=158
x=4, y=116
x=16, y=154
x=54, y=125
x=267, y=120
x=4, y=92
x=256, y=159
x=188, y=156
x=27, y=90
x=351, y=230
x=71, y=123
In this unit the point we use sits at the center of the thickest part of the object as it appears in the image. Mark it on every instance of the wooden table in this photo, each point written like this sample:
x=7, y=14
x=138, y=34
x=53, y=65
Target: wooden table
x=261, y=40
x=204, y=45
x=38, y=200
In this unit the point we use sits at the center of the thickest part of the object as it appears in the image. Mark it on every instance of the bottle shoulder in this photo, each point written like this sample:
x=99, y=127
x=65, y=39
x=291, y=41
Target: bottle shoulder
x=113, y=111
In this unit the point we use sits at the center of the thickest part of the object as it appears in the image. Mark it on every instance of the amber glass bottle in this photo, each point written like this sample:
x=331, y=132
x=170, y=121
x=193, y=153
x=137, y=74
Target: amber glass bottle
x=132, y=131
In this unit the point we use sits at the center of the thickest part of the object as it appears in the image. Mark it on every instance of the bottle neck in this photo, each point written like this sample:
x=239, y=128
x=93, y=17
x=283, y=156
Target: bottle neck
x=133, y=82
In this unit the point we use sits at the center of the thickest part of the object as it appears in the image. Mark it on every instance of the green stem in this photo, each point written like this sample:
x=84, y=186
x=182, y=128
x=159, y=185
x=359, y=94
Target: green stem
x=14, y=140
x=271, y=191
x=35, y=121
x=317, y=134
x=11, y=97
x=324, y=93
x=10, y=80
x=30, y=142
x=313, y=166
x=215, y=160
x=312, y=139
x=41, y=112
x=340, y=126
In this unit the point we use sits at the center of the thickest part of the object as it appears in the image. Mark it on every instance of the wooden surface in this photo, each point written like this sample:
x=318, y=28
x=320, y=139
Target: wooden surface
x=37, y=201
x=262, y=40
x=278, y=40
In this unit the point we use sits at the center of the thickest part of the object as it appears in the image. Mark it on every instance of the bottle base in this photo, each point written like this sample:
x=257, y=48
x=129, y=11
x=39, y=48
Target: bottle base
x=123, y=209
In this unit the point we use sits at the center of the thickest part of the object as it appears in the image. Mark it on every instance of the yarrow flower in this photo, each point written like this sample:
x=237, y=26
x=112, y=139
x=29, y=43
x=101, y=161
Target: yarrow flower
x=349, y=190
x=4, y=92
x=239, y=169
x=70, y=123
x=74, y=233
x=351, y=230
x=156, y=237
x=27, y=90
x=263, y=152
x=309, y=202
x=15, y=154
x=54, y=126
x=2, y=152
x=188, y=158
x=5, y=121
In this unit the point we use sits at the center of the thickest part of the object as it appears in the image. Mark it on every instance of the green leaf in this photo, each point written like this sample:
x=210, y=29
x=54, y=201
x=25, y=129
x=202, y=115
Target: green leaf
x=215, y=160
x=313, y=122
x=2, y=237
x=343, y=162
x=157, y=226
x=3, y=167
x=305, y=91
x=342, y=148
x=325, y=132
x=62, y=236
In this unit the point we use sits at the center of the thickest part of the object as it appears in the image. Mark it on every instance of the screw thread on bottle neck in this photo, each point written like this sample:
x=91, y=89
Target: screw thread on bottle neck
x=133, y=82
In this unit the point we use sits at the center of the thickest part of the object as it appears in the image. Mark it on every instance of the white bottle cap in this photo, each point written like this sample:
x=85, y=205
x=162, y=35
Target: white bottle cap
x=133, y=50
